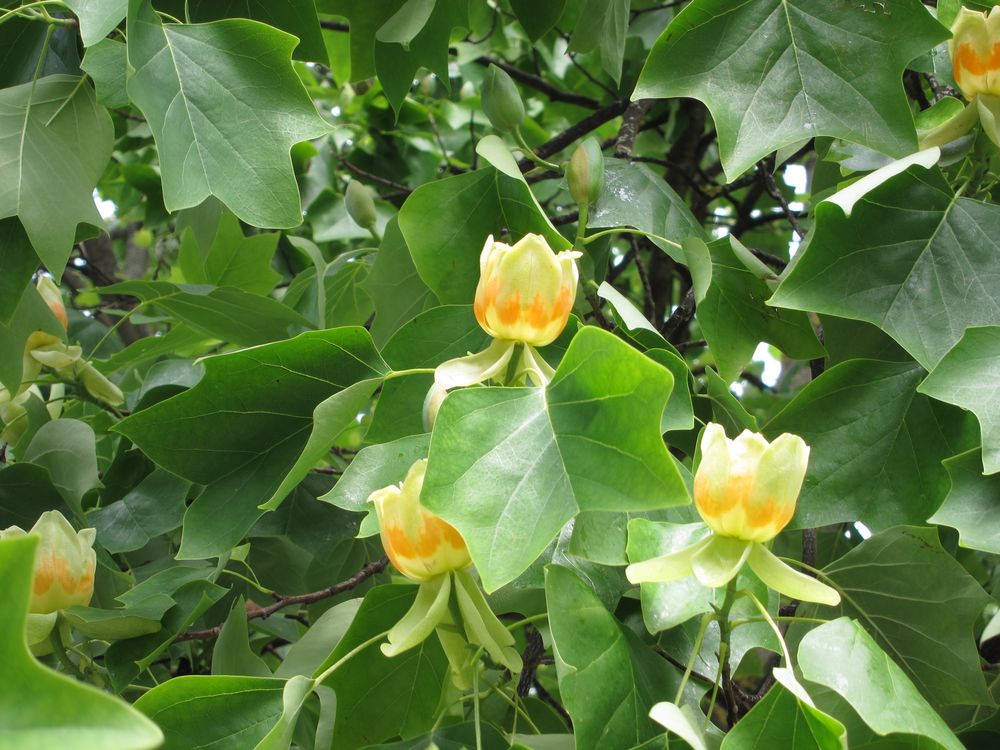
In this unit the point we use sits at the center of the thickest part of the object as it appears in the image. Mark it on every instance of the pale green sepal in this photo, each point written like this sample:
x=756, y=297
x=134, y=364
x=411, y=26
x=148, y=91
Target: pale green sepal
x=954, y=127
x=429, y=608
x=534, y=366
x=989, y=116
x=719, y=560
x=482, y=626
x=780, y=577
x=456, y=648
x=681, y=722
x=666, y=568
x=37, y=629
x=293, y=697
x=475, y=368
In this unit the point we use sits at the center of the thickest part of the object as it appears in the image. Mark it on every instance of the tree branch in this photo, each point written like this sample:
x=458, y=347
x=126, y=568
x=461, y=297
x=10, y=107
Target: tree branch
x=539, y=84
x=572, y=133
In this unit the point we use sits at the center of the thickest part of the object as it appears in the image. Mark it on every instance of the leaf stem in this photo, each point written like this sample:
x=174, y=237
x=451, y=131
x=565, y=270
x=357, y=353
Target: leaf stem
x=628, y=230
x=528, y=621
x=530, y=154
x=347, y=657
x=695, y=650
x=725, y=669
x=4, y=17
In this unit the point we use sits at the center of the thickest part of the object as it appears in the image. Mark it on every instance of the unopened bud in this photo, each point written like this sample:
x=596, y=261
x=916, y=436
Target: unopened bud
x=360, y=205
x=585, y=173
x=53, y=298
x=97, y=385
x=501, y=100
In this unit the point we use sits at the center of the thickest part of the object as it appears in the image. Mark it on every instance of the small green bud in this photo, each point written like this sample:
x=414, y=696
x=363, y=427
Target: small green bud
x=501, y=101
x=360, y=205
x=585, y=173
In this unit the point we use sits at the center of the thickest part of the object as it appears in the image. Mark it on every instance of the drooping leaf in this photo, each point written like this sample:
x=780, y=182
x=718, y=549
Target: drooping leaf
x=902, y=577
x=52, y=127
x=97, y=17
x=969, y=376
x=913, y=258
x=971, y=504
x=153, y=507
x=782, y=720
x=841, y=656
x=602, y=24
x=537, y=18
x=232, y=654
x=40, y=709
x=21, y=43
x=26, y=491
x=876, y=445
x=608, y=678
x=107, y=65
x=66, y=447
x=589, y=441
x=225, y=108
x=19, y=264
x=232, y=260
x=243, y=426
x=788, y=75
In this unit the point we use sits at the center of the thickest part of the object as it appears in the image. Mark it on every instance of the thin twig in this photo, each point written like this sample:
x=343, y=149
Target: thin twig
x=572, y=133
x=539, y=84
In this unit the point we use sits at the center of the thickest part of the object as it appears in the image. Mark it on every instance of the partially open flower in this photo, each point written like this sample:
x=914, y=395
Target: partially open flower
x=53, y=298
x=745, y=490
x=975, y=51
x=525, y=290
x=420, y=544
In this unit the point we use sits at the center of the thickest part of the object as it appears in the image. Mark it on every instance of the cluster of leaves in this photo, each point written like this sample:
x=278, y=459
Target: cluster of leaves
x=275, y=368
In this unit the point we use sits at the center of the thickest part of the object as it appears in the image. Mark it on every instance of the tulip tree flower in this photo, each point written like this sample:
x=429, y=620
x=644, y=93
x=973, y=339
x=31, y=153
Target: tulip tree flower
x=745, y=490
x=65, y=563
x=523, y=300
x=428, y=550
x=975, y=55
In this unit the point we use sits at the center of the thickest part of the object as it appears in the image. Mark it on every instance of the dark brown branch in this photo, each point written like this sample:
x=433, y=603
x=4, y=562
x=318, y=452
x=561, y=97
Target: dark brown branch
x=372, y=568
x=680, y=316
x=373, y=177
x=764, y=172
x=539, y=84
x=334, y=25
x=630, y=127
x=576, y=131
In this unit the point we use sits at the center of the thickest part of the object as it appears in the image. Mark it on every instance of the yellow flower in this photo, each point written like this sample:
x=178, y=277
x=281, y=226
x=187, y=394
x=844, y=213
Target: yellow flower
x=525, y=290
x=65, y=562
x=975, y=52
x=746, y=488
x=420, y=544
x=53, y=298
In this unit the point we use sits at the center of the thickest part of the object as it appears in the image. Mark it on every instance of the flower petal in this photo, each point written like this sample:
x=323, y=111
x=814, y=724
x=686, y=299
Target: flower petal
x=718, y=562
x=780, y=577
x=475, y=368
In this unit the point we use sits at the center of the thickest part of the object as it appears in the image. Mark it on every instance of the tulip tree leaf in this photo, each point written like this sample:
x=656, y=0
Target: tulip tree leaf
x=589, y=441
x=470, y=207
x=777, y=72
x=107, y=65
x=365, y=18
x=969, y=376
x=841, y=656
x=153, y=507
x=232, y=259
x=913, y=258
x=603, y=25
x=782, y=720
x=244, y=425
x=876, y=445
x=31, y=314
x=537, y=18
x=63, y=132
x=227, y=313
x=225, y=108
x=971, y=505
x=97, y=17
x=39, y=708
x=903, y=576
x=608, y=678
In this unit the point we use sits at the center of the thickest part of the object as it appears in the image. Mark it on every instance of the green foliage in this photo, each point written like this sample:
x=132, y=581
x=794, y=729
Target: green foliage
x=265, y=221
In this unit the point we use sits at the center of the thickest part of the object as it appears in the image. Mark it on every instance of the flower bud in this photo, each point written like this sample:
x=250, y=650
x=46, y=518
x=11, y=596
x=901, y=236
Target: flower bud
x=747, y=488
x=360, y=205
x=53, y=298
x=975, y=52
x=585, y=173
x=501, y=100
x=64, y=563
x=420, y=544
x=525, y=291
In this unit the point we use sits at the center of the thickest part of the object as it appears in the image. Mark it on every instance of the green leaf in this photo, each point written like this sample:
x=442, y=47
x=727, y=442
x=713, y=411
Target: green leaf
x=30, y=315
x=227, y=313
x=98, y=18
x=920, y=605
x=225, y=108
x=305, y=655
x=107, y=65
x=434, y=336
x=21, y=43
x=876, y=445
x=603, y=24
x=114, y=624
x=67, y=448
x=52, y=127
x=232, y=260
x=782, y=720
x=967, y=377
x=188, y=709
x=19, y=264
x=589, y=441
x=293, y=697
x=537, y=18
x=26, y=491
x=232, y=653
x=732, y=311
x=409, y=685
x=841, y=656
x=39, y=708
x=153, y=507
x=242, y=427
x=456, y=737
x=912, y=258
x=786, y=76
x=467, y=209
x=608, y=679
x=971, y=504
x=365, y=18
